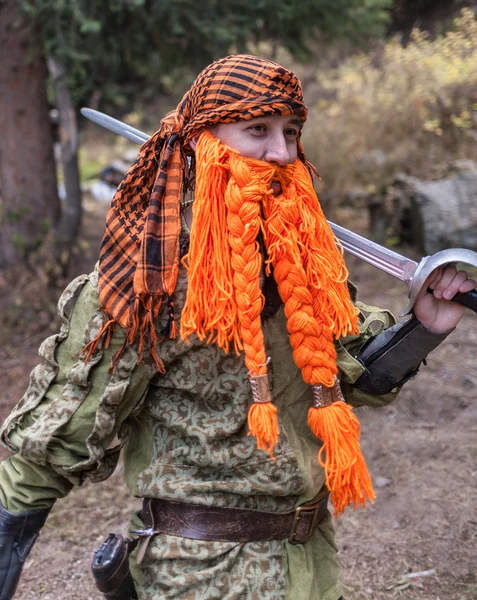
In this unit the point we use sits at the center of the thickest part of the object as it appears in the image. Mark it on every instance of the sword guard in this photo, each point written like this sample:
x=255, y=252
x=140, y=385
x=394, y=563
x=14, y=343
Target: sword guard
x=440, y=259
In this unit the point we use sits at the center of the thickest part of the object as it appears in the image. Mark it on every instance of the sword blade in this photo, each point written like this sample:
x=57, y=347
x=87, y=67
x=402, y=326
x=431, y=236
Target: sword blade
x=381, y=257
x=130, y=133
x=405, y=269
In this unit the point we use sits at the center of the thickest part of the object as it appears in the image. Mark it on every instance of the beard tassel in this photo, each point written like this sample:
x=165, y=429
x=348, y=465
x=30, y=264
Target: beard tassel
x=262, y=415
x=333, y=421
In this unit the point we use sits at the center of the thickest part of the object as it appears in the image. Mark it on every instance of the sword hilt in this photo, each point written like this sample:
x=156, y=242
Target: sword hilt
x=468, y=299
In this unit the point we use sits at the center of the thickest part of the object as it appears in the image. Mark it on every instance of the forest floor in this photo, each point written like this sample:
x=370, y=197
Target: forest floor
x=421, y=451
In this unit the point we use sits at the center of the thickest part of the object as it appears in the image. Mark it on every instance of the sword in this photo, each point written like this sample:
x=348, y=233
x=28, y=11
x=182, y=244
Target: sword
x=413, y=273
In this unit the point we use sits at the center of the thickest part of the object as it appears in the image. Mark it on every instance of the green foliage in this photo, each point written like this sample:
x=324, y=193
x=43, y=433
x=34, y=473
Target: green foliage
x=411, y=109
x=90, y=166
x=16, y=215
x=18, y=242
x=126, y=47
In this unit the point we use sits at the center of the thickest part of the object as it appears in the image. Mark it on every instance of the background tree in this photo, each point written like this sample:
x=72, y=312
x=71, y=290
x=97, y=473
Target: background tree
x=29, y=204
x=434, y=16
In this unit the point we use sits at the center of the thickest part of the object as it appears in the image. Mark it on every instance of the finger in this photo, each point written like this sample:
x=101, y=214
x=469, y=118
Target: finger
x=467, y=286
x=434, y=277
x=428, y=285
x=445, y=282
x=454, y=285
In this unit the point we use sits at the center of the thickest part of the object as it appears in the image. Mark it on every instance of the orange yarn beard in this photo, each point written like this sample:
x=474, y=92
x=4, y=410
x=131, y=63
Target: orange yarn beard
x=233, y=203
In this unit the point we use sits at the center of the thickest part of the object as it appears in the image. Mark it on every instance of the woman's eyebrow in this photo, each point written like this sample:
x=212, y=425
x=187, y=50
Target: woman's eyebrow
x=296, y=121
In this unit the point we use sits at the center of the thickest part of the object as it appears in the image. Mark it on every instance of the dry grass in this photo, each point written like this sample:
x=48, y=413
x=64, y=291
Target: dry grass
x=410, y=109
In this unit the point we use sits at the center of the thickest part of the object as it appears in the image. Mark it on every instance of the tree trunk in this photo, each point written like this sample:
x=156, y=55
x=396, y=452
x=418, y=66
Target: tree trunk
x=29, y=199
x=70, y=221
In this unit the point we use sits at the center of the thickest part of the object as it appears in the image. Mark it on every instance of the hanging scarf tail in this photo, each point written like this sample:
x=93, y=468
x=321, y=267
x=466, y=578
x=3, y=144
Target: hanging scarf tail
x=170, y=330
x=102, y=338
x=145, y=256
x=143, y=331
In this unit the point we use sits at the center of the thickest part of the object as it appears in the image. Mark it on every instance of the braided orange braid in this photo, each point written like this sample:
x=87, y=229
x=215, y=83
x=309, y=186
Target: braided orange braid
x=243, y=198
x=311, y=281
x=311, y=340
x=224, y=299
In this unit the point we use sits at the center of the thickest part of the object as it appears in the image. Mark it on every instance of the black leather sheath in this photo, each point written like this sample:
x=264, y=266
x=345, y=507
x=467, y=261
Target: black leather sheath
x=110, y=568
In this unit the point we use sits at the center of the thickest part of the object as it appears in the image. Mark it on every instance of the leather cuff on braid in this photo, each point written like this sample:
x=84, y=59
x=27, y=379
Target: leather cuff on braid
x=394, y=356
x=18, y=533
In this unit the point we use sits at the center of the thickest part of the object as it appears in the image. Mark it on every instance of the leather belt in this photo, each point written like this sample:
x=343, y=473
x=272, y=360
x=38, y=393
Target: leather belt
x=199, y=522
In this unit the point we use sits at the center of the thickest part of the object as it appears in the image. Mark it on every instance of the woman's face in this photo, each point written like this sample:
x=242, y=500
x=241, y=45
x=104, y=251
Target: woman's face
x=272, y=139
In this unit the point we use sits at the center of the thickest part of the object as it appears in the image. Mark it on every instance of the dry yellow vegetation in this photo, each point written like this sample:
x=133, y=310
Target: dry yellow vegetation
x=406, y=108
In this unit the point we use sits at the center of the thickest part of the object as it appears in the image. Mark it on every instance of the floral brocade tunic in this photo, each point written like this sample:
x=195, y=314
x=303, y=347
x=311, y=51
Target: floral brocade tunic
x=184, y=437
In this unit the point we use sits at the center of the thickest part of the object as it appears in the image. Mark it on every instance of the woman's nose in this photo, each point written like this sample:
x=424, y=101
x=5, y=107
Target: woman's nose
x=277, y=151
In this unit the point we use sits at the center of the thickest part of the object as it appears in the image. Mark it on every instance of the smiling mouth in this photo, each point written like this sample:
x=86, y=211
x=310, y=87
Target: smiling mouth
x=276, y=188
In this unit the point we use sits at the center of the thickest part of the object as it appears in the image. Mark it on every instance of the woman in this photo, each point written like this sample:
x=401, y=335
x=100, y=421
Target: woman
x=245, y=414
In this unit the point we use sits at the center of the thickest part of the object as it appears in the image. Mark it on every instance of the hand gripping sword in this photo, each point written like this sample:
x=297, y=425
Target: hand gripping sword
x=412, y=273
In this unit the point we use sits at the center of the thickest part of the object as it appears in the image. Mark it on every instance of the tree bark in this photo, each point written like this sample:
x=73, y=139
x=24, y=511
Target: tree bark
x=70, y=221
x=29, y=204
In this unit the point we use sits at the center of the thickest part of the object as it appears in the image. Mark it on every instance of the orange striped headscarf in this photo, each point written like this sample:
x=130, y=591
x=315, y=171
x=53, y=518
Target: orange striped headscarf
x=139, y=257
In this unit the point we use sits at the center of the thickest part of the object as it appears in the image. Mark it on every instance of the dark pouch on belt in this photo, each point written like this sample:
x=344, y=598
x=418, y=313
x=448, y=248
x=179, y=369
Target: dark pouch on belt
x=110, y=567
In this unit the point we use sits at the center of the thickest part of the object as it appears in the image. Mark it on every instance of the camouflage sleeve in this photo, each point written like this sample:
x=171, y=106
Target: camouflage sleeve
x=71, y=422
x=372, y=321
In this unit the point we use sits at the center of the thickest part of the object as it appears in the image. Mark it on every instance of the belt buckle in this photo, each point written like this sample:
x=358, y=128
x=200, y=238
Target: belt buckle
x=296, y=519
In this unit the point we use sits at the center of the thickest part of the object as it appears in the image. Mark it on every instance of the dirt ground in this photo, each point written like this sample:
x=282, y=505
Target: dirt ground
x=421, y=452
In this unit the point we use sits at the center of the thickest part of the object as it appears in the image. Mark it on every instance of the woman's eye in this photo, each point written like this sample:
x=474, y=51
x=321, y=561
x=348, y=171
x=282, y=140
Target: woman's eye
x=292, y=132
x=258, y=128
